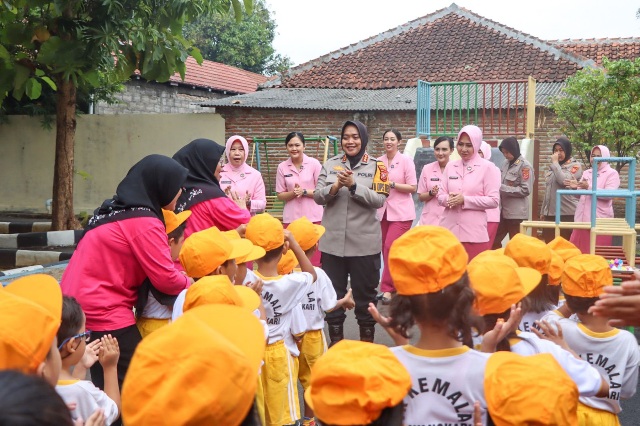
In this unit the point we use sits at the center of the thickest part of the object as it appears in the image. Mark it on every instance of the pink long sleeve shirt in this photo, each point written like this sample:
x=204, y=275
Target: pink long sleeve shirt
x=220, y=212
x=109, y=265
x=480, y=186
x=608, y=178
x=399, y=205
x=287, y=177
x=431, y=177
x=242, y=180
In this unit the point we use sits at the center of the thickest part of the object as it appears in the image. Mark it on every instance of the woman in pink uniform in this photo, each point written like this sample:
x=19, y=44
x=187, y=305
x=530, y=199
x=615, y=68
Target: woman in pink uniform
x=470, y=188
x=238, y=179
x=124, y=243
x=398, y=212
x=608, y=178
x=296, y=180
x=431, y=180
x=209, y=205
x=493, y=215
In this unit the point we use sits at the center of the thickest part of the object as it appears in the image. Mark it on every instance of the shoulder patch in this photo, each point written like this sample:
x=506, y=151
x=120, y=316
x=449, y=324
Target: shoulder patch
x=344, y=158
x=381, y=179
x=575, y=168
x=517, y=162
x=365, y=158
x=526, y=173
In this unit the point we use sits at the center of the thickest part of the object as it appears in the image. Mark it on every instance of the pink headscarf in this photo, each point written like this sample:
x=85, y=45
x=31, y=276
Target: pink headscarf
x=245, y=145
x=475, y=134
x=486, y=150
x=605, y=154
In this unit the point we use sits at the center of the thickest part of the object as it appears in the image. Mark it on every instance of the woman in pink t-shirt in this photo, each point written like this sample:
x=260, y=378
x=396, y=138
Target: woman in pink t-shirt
x=431, y=179
x=296, y=179
x=238, y=179
x=125, y=243
x=493, y=215
x=398, y=212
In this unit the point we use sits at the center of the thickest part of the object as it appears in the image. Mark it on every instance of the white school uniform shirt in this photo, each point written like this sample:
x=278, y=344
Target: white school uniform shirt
x=614, y=354
x=298, y=326
x=88, y=398
x=280, y=295
x=585, y=376
x=554, y=316
x=529, y=319
x=156, y=310
x=178, y=305
x=444, y=385
x=250, y=277
x=320, y=299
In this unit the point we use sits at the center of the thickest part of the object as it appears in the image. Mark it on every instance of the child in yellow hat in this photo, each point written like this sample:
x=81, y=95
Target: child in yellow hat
x=358, y=383
x=280, y=295
x=612, y=351
x=199, y=370
x=564, y=250
x=428, y=266
x=30, y=315
x=321, y=299
x=86, y=397
x=496, y=294
x=206, y=253
x=154, y=308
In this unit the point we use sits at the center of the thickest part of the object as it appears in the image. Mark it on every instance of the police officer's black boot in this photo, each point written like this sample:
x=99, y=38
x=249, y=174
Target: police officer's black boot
x=367, y=333
x=336, y=333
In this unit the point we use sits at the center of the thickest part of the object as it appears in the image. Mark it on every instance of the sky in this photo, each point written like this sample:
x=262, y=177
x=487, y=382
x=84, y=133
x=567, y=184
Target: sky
x=307, y=29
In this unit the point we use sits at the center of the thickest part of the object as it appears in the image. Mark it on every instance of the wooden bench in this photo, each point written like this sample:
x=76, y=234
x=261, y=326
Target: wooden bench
x=274, y=206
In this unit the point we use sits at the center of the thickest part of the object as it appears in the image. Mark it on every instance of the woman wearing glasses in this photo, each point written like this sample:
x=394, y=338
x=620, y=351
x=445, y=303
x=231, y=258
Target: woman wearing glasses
x=124, y=243
x=608, y=178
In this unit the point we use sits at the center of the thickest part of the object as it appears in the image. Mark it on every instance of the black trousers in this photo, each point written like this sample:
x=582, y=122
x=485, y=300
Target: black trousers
x=506, y=226
x=365, y=275
x=549, y=234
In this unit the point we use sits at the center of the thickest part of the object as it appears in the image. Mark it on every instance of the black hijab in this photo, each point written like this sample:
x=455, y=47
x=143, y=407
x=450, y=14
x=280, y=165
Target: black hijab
x=149, y=185
x=364, y=139
x=201, y=158
x=566, y=146
x=511, y=145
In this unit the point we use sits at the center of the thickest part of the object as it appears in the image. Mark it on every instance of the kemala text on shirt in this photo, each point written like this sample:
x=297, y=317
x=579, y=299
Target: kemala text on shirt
x=441, y=388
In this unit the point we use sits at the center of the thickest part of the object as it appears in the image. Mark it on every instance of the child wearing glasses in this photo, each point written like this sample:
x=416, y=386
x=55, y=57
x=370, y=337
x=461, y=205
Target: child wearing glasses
x=82, y=397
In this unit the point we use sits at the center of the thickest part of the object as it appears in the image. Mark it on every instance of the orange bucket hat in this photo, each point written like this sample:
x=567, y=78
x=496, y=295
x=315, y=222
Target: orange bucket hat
x=287, y=263
x=30, y=316
x=495, y=255
x=205, y=250
x=306, y=233
x=530, y=252
x=265, y=231
x=511, y=397
x=172, y=220
x=564, y=248
x=256, y=252
x=555, y=269
x=498, y=285
x=201, y=369
x=211, y=289
x=426, y=259
x=354, y=381
x=586, y=275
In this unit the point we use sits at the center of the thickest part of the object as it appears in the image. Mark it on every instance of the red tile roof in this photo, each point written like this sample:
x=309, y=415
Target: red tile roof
x=596, y=49
x=220, y=77
x=452, y=44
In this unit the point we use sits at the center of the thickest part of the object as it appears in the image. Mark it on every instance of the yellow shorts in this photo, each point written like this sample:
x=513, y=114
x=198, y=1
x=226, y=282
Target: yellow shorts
x=146, y=326
x=312, y=347
x=279, y=374
x=260, y=400
x=589, y=416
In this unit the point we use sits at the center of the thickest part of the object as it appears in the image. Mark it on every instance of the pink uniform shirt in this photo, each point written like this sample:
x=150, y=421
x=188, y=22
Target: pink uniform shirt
x=287, y=177
x=493, y=215
x=430, y=177
x=109, y=265
x=479, y=184
x=244, y=178
x=399, y=205
x=220, y=212
x=608, y=178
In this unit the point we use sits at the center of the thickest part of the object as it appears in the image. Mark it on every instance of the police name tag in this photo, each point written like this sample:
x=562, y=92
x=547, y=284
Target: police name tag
x=435, y=178
x=453, y=177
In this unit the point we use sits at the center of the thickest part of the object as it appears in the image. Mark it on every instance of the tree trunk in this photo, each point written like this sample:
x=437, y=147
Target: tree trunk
x=62, y=207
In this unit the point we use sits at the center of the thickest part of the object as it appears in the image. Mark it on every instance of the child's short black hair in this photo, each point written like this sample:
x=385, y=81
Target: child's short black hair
x=177, y=233
x=273, y=254
x=580, y=305
x=71, y=318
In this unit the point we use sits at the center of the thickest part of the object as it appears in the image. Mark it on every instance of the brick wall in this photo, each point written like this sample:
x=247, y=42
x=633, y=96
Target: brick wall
x=142, y=97
x=276, y=123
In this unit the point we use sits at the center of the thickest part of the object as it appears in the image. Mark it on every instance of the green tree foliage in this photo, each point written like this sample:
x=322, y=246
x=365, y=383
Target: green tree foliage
x=246, y=45
x=601, y=106
x=89, y=47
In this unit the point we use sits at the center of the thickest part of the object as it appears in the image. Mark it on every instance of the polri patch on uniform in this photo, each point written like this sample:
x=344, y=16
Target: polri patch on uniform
x=526, y=172
x=574, y=169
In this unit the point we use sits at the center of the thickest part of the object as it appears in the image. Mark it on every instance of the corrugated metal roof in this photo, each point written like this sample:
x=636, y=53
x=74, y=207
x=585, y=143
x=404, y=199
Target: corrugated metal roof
x=403, y=99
